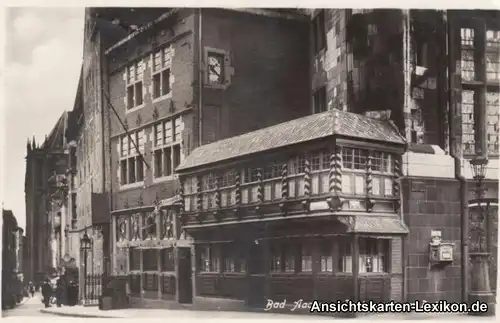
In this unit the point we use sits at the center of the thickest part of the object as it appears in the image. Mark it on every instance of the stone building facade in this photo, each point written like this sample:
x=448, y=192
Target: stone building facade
x=159, y=86
x=188, y=79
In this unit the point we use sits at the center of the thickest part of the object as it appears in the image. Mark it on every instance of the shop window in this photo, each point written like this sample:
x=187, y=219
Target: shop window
x=326, y=258
x=234, y=262
x=209, y=260
x=345, y=255
x=167, y=259
x=283, y=258
x=134, y=259
x=373, y=255
x=306, y=259
x=149, y=259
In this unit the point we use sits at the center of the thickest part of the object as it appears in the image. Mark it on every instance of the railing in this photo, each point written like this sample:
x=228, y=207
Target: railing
x=92, y=289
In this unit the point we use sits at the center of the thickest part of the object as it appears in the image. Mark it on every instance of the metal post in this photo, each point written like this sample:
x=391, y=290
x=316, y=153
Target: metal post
x=479, y=251
x=85, y=276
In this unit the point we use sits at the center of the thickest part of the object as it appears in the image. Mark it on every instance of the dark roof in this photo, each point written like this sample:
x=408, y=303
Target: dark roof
x=296, y=131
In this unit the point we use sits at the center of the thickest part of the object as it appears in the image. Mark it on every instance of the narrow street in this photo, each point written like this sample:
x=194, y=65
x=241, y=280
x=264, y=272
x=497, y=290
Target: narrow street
x=30, y=307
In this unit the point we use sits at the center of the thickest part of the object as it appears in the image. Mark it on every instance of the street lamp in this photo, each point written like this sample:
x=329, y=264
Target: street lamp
x=85, y=246
x=479, y=250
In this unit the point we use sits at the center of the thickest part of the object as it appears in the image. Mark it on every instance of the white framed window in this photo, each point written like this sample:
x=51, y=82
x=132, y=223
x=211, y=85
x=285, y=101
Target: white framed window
x=131, y=160
x=161, y=72
x=134, y=81
x=167, y=147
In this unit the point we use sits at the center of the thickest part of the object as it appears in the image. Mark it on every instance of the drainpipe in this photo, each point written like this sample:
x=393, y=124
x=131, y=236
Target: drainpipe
x=464, y=208
x=200, y=78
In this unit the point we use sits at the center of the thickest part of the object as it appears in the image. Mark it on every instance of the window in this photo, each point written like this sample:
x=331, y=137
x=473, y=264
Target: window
x=354, y=158
x=306, y=259
x=134, y=84
x=283, y=258
x=167, y=259
x=74, y=210
x=167, y=147
x=162, y=62
x=209, y=259
x=326, y=258
x=134, y=259
x=320, y=160
x=468, y=133
x=234, y=262
x=251, y=175
x=345, y=255
x=149, y=260
x=319, y=36
x=474, y=79
x=319, y=100
x=131, y=158
x=228, y=179
x=215, y=68
x=381, y=162
x=373, y=255
x=272, y=170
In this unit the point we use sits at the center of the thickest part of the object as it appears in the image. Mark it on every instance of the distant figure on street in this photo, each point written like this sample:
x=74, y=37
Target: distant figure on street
x=31, y=289
x=46, y=292
x=59, y=292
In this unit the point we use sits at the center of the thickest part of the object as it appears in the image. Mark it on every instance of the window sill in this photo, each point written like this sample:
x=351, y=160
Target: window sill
x=132, y=185
x=168, y=273
x=164, y=178
x=138, y=107
x=163, y=97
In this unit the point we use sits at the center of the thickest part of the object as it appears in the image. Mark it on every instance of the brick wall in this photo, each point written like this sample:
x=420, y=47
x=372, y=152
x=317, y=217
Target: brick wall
x=271, y=67
x=145, y=117
x=431, y=204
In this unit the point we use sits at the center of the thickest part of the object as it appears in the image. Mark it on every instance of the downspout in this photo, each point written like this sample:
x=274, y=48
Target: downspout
x=200, y=78
x=464, y=208
x=106, y=239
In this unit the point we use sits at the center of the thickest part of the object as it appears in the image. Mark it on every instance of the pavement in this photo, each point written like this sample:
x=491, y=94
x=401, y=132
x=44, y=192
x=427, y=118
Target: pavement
x=94, y=312
x=29, y=306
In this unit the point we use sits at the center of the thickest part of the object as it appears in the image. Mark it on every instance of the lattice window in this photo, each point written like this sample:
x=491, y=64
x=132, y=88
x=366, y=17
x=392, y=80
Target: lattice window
x=468, y=132
x=492, y=121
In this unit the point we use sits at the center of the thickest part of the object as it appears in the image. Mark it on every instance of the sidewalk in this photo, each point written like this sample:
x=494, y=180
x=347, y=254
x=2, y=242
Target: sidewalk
x=94, y=312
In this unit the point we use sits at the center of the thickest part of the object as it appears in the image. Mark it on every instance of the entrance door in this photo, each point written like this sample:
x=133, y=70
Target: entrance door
x=185, y=282
x=257, y=275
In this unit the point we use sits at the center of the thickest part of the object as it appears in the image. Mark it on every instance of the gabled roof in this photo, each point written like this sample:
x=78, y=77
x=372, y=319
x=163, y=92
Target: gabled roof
x=292, y=132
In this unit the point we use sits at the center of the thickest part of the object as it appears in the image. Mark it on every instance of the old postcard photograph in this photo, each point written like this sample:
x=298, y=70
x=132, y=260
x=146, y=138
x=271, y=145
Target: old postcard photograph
x=290, y=163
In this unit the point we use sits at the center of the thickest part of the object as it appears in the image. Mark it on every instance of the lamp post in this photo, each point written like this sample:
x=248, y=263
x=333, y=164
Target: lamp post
x=479, y=250
x=85, y=246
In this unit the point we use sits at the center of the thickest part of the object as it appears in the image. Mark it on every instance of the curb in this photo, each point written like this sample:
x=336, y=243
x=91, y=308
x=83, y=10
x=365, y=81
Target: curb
x=44, y=311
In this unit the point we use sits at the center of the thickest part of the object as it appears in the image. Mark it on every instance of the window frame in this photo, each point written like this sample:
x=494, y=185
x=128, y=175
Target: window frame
x=131, y=104
x=165, y=67
x=209, y=259
x=479, y=83
x=132, y=154
x=320, y=101
x=219, y=55
x=163, y=145
x=382, y=250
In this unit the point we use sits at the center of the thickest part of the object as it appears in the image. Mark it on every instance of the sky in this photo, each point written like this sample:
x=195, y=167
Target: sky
x=43, y=55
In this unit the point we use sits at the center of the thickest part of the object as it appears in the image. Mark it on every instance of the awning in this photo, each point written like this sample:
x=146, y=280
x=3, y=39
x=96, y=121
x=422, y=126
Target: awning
x=377, y=225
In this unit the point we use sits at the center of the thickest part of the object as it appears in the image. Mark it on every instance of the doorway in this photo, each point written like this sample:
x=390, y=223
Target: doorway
x=257, y=275
x=185, y=275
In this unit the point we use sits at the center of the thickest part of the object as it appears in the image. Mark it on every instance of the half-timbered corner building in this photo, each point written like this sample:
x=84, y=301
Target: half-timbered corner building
x=307, y=209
